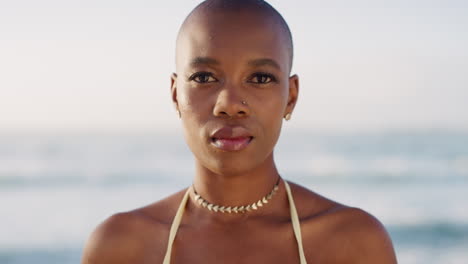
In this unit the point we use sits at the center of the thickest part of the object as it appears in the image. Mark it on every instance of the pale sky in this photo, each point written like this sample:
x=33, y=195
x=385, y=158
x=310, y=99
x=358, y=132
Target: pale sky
x=105, y=65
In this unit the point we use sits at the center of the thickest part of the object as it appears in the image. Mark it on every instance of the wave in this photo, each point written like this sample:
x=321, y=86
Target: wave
x=435, y=234
x=83, y=159
x=153, y=178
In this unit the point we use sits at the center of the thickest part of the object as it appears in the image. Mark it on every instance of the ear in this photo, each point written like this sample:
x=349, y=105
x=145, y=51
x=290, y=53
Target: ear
x=293, y=94
x=174, y=90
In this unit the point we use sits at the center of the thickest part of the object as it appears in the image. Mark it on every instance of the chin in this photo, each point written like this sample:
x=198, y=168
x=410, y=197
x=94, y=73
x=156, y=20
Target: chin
x=230, y=167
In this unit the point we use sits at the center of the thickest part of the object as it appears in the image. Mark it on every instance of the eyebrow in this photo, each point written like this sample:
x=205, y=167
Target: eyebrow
x=264, y=62
x=197, y=61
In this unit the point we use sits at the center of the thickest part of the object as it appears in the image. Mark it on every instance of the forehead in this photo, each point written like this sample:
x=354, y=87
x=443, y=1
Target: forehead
x=232, y=37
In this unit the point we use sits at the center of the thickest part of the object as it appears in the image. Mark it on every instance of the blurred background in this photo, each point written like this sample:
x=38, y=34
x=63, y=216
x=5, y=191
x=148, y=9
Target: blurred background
x=87, y=127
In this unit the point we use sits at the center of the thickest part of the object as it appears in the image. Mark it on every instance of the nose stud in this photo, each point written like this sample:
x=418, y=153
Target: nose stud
x=244, y=102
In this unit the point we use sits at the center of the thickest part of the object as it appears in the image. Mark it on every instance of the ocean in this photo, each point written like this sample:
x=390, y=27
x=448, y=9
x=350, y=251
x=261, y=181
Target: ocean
x=56, y=187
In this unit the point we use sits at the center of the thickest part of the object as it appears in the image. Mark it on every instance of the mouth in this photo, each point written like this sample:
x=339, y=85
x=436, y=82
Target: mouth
x=231, y=144
x=231, y=138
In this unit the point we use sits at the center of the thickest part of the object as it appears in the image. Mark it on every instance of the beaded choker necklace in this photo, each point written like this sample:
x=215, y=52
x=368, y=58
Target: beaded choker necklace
x=235, y=209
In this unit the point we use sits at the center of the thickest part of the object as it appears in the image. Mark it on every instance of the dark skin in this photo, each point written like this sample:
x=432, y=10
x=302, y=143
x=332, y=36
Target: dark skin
x=219, y=66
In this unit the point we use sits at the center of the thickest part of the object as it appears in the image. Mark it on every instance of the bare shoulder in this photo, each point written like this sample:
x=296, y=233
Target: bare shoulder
x=341, y=233
x=361, y=237
x=137, y=236
x=116, y=240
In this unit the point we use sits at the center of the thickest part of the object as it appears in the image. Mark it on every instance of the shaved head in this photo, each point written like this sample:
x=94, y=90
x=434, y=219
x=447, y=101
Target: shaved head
x=227, y=10
x=233, y=65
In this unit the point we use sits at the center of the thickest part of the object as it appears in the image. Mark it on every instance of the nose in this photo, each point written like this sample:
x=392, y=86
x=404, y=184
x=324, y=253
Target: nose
x=230, y=104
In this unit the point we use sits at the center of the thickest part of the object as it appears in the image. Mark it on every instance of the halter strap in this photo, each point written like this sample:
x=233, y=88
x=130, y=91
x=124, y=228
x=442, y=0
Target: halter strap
x=180, y=211
x=296, y=224
x=175, y=226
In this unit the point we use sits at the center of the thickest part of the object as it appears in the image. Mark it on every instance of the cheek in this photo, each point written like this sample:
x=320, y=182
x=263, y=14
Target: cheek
x=272, y=107
x=194, y=109
x=185, y=99
x=274, y=127
x=192, y=100
x=271, y=115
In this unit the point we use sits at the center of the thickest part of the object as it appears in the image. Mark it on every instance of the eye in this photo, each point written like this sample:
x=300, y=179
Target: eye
x=202, y=77
x=262, y=78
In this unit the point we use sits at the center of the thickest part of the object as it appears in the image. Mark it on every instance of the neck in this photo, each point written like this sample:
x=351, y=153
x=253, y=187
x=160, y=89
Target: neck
x=236, y=189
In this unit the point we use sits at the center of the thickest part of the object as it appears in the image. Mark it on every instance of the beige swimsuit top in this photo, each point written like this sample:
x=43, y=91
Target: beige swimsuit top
x=294, y=218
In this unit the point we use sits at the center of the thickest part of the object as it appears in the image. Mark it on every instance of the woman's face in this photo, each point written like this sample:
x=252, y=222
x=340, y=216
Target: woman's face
x=233, y=89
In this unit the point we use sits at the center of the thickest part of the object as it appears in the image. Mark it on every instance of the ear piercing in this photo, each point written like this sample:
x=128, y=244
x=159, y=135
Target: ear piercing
x=287, y=117
x=178, y=113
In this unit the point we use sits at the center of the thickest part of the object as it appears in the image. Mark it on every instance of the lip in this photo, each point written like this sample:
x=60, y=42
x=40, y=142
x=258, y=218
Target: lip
x=231, y=138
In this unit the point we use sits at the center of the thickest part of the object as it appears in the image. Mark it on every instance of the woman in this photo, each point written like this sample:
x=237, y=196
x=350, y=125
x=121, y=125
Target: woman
x=232, y=89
